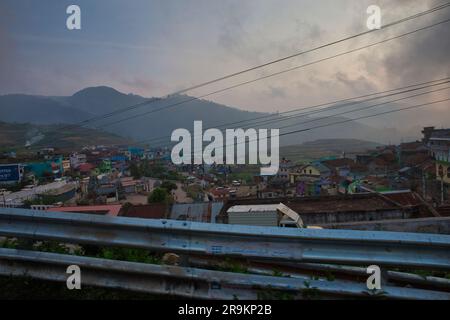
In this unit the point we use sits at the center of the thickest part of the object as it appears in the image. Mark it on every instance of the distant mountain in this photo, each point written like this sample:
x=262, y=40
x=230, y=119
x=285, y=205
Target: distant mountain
x=84, y=104
x=102, y=100
x=14, y=136
x=176, y=113
x=146, y=124
x=38, y=110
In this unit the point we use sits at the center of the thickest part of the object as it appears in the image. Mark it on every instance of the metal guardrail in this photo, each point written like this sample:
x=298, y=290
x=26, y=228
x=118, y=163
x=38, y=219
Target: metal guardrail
x=302, y=270
x=273, y=244
x=189, y=282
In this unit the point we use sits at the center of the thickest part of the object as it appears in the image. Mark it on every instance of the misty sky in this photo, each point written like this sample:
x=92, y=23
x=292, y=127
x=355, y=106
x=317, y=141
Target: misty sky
x=152, y=47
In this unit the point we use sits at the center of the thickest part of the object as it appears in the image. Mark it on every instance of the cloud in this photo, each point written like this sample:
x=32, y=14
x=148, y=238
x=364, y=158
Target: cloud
x=359, y=85
x=8, y=53
x=423, y=56
x=177, y=44
x=278, y=92
x=144, y=86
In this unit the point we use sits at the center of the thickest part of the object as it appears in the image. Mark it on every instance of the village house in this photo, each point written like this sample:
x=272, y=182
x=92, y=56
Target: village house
x=383, y=163
x=77, y=159
x=438, y=143
x=308, y=172
x=412, y=153
x=340, y=167
x=285, y=168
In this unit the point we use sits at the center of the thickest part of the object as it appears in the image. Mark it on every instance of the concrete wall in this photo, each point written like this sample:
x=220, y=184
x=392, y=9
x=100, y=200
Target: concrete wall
x=254, y=218
x=439, y=225
x=340, y=217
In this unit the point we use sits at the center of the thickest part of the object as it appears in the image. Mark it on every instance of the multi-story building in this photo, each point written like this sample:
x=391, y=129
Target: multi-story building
x=313, y=171
x=438, y=143
x=284, y=169
x=66, y=165
x=77, y=159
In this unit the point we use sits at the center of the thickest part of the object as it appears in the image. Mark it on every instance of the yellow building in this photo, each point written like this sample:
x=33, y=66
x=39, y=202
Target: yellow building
x=66, y=165
x=443, y=171
x=438, y=142
x=308, y=171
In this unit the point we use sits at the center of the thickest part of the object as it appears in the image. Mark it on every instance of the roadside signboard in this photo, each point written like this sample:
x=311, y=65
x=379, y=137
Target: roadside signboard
x=9, y=173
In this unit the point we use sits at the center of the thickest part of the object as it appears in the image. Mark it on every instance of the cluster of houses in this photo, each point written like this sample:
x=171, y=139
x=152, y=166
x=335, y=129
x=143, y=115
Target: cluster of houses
x=98, y=173
x=393, y=181
x=422, y=166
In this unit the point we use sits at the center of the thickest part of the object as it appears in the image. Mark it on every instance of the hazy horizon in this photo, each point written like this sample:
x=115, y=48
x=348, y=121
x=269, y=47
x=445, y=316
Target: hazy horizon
x=152, y=48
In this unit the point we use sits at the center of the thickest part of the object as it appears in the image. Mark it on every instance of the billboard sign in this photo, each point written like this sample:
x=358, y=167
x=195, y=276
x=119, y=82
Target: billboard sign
x=9, y=173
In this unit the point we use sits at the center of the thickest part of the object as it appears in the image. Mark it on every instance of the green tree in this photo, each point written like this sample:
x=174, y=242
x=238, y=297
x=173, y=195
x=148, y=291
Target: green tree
x=158, y=195
x=135, y=171
x=169, y=186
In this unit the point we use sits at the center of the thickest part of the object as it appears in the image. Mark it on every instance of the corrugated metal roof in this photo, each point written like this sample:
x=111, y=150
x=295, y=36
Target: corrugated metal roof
x=110, y=210
x=17, y=198
x=260, y=218
x=199, y=212
x=439, y=134
x=253, y=208
x=403, y=197
x=147, y=211
x=332, y=204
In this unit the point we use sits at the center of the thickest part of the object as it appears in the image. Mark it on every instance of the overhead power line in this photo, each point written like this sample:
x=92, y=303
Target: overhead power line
x=332, y=108
x=440, y=7
x=150, y=101
x=334, y=105
x=346, y=112
x=365, y=117
x=153, y=100
x=355, y=119
x=269, y=75
x=364, y=108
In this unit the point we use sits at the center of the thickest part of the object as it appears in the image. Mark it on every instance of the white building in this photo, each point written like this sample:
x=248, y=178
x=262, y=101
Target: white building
x=77, y=159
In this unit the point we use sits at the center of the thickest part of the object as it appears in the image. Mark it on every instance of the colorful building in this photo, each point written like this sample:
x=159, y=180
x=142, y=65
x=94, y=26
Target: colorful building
x=438, y=143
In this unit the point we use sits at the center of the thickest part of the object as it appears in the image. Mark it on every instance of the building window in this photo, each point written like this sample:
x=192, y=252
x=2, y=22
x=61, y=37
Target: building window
x=440, y=171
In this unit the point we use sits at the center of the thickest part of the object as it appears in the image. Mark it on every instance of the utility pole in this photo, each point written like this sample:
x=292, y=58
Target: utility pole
x=424, y=186
x=441, y=175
